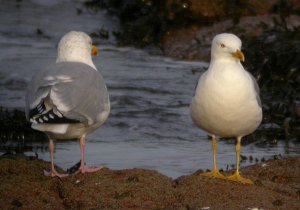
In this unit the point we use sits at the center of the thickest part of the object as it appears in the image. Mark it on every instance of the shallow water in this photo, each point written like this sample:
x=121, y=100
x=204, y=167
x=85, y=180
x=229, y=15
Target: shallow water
x=149, y=125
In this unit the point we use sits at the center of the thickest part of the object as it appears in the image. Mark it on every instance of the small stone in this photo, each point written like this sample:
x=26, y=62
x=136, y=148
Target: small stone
x=16, y=203
x=277, y=202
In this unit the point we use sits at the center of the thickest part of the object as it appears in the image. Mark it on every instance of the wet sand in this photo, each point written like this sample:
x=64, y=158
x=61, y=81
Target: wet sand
x=23, y=186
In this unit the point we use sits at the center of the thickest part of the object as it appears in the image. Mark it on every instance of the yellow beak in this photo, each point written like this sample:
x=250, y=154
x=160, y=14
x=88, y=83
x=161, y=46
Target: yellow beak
x=95, y=50
x=239, y=55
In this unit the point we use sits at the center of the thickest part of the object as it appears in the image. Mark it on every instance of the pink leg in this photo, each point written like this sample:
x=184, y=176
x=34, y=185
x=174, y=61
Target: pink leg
x=53, y=172
x=83, y=168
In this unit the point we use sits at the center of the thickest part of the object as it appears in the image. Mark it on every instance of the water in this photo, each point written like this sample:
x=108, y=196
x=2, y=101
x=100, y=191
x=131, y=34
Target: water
x=149, y=125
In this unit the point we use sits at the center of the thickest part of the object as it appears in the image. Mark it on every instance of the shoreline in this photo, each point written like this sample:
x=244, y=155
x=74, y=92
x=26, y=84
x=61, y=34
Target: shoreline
x=277, y=186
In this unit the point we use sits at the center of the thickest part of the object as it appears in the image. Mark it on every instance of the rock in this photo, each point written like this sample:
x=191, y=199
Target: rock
x=193, y=43
x=23, y=185
x=184, y=28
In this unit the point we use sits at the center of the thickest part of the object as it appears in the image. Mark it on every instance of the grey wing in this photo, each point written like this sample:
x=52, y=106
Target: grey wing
x=37, y=90
x=85, y=98
x=256, y=87
x=75, y=90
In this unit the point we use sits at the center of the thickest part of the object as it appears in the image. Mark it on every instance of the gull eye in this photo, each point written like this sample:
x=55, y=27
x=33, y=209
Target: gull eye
x=222, y=45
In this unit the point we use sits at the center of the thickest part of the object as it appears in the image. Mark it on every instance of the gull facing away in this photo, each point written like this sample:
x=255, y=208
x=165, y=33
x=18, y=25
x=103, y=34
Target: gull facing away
x=226, y=101
x=68, y=99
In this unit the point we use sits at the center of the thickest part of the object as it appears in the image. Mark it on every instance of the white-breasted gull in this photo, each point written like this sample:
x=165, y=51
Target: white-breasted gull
x=226, y=101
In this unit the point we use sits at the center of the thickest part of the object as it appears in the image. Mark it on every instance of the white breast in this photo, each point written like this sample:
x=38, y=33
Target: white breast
x=225, y=102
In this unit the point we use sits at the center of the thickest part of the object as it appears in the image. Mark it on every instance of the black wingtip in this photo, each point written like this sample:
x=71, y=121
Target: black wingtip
x=52, y=118
x=39, y=109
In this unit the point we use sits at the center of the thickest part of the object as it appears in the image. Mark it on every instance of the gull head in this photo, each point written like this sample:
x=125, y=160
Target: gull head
x=227, y=46
x=76, y=46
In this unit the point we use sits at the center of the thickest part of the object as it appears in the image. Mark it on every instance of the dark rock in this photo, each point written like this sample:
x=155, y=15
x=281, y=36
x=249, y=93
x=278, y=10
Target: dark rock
x=277, y=203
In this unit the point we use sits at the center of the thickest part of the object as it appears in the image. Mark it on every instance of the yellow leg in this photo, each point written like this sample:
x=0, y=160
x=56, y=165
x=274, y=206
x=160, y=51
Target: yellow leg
x=215, y=172
x=236, y=176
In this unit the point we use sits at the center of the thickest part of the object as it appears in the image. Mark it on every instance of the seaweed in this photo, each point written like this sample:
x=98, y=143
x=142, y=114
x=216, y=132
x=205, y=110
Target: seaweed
x=16, y=132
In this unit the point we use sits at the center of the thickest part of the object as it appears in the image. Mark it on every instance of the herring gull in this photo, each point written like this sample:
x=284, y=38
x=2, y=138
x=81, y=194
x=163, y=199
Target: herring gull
x=68, y=99
x=226, y=101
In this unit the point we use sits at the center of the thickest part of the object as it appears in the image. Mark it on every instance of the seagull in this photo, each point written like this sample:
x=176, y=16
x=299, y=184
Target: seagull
x=226, y=101
x=68, y=99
